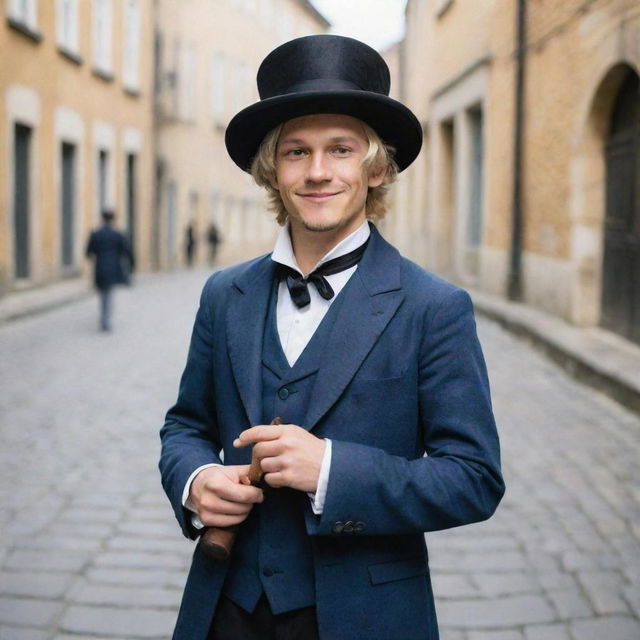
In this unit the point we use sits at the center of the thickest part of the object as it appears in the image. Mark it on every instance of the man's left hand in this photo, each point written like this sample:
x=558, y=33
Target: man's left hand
x=289, y=455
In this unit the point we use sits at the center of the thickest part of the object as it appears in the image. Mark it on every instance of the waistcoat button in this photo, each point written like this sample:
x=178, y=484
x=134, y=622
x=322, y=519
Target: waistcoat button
x=267, y=572
x=283, y=394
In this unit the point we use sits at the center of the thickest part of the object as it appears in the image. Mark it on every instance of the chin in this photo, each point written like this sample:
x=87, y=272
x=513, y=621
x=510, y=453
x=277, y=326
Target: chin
x=320, y=226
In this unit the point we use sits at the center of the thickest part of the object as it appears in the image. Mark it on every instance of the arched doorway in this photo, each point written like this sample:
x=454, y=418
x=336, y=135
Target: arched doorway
x=621, y=262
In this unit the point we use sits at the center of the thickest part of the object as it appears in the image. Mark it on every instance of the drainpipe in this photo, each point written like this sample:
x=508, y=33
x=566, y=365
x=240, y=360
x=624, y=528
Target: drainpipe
x=515, y=268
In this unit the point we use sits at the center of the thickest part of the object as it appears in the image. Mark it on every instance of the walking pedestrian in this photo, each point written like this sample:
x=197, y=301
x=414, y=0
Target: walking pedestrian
x=366, y=361
x=190, y=244
x=214, y=239
x=113, y=263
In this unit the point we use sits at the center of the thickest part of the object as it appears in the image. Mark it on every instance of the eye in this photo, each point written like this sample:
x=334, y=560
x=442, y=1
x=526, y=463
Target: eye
x=342, y=151
x=294, y=153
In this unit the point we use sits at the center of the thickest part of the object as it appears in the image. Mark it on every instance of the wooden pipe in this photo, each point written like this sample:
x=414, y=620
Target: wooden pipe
x=216, y=542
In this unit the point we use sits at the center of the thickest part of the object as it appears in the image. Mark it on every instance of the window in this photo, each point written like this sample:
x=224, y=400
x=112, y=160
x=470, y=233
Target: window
x=67, y=25
x=131, y=57
x=187, y=76
x=217, y=88
x=102, y=36
x=241, y=86
x=24, y=12
x=266, y=12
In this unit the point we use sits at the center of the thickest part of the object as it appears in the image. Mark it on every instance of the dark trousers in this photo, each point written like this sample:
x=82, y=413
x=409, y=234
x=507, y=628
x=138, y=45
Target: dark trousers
x=106, y=307
x=231, y=622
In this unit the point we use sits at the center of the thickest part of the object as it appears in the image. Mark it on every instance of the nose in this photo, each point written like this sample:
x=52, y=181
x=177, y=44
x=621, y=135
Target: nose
x=319, y=169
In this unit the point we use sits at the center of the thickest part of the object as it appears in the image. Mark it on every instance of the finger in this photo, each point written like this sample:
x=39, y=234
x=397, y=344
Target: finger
x=275, y=480
x=224, y=507
x=220, y=520
x=268, y=449
x=271, y=465
x=246, y=494
x=258, y=433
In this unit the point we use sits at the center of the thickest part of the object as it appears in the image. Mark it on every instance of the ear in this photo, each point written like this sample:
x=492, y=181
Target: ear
x=377, y=177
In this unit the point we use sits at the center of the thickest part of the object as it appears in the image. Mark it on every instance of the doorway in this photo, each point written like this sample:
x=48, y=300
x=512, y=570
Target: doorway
x=21, y=201
x=621, y=262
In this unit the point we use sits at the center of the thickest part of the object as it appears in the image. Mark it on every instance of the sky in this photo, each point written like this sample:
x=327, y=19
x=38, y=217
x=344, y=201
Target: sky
x=379, y=23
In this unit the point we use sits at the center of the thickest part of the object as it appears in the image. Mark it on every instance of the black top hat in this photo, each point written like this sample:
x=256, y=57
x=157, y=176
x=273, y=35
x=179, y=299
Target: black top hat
x=324, y=74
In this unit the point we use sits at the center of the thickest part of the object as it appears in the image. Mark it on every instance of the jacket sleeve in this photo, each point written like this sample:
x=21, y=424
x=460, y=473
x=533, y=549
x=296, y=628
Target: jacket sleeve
x=371, y=492
x=189, y=436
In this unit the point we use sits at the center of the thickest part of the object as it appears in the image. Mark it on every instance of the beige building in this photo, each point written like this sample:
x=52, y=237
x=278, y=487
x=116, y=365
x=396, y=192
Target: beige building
x=208, y=52
x=528, y=190
x=75, y=132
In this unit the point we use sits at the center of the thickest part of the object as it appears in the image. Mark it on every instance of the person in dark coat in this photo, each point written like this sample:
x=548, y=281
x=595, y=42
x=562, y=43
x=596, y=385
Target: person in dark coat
x=190, y=244
x=113, y=264
x=351, y=376
x=214, y=239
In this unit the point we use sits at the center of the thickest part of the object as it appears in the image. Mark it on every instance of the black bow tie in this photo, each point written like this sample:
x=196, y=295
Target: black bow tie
x=298, y=284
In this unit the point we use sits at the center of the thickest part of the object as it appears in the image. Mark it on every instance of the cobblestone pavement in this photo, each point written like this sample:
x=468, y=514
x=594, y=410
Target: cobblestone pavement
x=89, y=548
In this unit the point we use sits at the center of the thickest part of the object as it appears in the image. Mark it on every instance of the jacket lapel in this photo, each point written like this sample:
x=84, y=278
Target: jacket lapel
x=372, y=298
x=246, y=316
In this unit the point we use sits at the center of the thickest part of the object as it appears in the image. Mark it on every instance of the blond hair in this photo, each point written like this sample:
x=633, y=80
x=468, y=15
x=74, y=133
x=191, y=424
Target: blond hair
x=379, y=156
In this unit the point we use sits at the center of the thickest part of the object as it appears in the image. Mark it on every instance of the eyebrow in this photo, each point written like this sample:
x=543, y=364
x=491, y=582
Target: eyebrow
x=334, y=140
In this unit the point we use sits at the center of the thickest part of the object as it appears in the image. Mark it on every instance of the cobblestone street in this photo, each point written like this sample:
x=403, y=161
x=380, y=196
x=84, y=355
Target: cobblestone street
x=89, y=548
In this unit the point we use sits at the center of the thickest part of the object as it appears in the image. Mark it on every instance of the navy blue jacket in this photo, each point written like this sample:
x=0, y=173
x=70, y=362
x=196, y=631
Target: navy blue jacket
x=404, y=376
x=113, y=257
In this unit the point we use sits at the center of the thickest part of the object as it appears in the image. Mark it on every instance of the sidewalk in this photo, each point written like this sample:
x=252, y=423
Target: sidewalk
x=30, y=301
x=596, y=357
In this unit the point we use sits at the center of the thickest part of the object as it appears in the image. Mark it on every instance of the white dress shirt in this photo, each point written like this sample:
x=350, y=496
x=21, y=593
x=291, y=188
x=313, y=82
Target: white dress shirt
x=296, y=327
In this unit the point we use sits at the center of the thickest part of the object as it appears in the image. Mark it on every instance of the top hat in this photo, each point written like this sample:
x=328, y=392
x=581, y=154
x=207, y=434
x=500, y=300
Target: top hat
x=324, y=74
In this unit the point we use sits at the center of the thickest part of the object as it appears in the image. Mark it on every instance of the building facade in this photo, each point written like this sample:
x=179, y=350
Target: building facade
x=207, y=55
x=529, y=182
x=75, y=132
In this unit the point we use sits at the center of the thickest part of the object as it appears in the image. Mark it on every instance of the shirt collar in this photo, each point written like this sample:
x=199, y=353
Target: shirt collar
x=283, y=250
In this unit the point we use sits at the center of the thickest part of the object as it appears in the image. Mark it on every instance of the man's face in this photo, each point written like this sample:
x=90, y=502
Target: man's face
x=319, y=173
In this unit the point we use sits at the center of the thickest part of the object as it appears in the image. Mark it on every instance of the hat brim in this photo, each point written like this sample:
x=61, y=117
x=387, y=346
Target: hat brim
x=393, y=122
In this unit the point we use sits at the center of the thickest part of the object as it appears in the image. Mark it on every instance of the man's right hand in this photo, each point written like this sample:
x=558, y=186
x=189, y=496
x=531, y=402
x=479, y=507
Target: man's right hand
x=223, y=496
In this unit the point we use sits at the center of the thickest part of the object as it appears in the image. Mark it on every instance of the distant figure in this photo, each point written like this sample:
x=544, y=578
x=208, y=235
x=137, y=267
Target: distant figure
x=213, y=238
x=113, y=262
x=190, y=244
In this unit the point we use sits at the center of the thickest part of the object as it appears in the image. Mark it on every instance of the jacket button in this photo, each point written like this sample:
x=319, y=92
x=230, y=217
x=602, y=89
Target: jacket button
x=348, y=527
x=283, y=394
x=338, y=527
x=267, y=572
x=359, y=527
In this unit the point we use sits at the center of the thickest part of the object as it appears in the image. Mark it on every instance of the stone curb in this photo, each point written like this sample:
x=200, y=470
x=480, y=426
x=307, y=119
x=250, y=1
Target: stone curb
x=593, y=356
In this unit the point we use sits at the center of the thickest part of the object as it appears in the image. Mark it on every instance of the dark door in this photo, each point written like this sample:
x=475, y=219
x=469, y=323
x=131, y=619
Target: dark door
x=621, y=267
x=103, y=168
x=68, y=203
x=131, y=198
x=21, y=204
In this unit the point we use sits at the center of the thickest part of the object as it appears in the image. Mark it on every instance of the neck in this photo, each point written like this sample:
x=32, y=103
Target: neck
x=309, y=247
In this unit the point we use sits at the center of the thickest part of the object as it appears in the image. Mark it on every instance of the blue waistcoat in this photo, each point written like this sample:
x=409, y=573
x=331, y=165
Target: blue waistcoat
x=272, y=553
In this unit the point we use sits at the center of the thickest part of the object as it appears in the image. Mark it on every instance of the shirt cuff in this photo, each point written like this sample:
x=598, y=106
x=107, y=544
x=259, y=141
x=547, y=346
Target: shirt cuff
x=318, y=498
x=186, y=503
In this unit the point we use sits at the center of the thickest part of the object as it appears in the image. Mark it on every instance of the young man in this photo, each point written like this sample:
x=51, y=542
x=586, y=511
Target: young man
x=369, y=361
x=113, y=262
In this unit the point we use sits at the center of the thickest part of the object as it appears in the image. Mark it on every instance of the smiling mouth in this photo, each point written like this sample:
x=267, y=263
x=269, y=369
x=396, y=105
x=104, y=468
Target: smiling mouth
x=318, y=196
